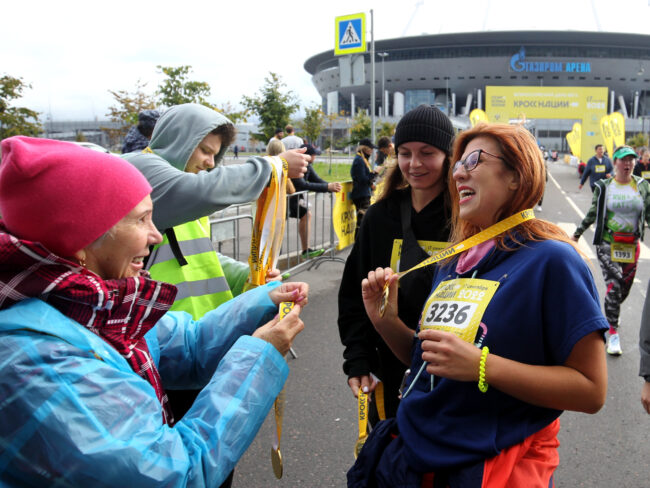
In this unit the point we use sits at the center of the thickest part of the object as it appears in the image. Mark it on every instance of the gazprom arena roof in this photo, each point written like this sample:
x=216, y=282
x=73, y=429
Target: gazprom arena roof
x=464, y=63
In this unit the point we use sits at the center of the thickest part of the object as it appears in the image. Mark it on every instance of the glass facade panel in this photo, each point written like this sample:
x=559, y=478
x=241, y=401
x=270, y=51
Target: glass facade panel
x=413, y=98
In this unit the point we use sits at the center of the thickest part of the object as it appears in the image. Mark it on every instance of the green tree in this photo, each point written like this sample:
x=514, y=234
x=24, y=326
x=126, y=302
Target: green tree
x=16, y=120
x=233, y=114
x=271, y=105
x=638, y=140
x=386, y=129
x=177, y=89
x=313, y=123
x=361, y=127
x=125, y=111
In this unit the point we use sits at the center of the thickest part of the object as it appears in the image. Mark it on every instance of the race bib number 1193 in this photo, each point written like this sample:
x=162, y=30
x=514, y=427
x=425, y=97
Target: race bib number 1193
x=458, y=306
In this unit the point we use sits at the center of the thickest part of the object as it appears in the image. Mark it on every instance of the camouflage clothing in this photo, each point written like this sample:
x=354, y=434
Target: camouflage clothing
x=598, y=211
x=618, y=276
x=618, y=280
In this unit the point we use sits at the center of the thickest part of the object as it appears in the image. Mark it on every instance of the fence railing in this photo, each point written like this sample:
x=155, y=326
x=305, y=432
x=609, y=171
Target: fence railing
x=231, y=231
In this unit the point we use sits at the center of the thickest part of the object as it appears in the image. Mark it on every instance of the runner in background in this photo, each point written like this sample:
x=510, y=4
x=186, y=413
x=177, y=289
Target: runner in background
x=412, y=211
x=483, y=412
x=619, y=208
x=597, y=168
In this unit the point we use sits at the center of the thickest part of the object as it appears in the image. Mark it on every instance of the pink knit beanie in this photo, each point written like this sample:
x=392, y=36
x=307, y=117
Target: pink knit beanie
x=63, y=195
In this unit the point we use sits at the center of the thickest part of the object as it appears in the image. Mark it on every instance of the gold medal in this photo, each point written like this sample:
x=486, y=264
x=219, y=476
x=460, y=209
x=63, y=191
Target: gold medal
x=357, y=448
x=384, y=300
x=484, y=235
x=276, y=455
x=276, y=462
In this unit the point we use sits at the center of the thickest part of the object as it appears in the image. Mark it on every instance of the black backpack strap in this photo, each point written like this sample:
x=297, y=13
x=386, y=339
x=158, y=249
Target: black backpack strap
x=175, y=247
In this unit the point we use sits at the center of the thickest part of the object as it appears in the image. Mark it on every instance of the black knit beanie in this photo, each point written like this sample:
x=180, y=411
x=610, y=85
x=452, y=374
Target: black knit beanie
x=427, y=124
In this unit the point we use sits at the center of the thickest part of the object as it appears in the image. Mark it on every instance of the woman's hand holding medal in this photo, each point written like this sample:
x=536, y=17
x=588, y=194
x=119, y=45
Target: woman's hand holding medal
x=379, y=300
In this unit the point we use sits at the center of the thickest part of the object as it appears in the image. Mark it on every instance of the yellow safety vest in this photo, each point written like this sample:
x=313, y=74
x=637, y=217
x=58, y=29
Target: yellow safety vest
x=201, y=283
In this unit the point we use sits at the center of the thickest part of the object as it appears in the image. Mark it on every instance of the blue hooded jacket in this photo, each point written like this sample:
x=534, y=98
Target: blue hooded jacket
x=73, y=412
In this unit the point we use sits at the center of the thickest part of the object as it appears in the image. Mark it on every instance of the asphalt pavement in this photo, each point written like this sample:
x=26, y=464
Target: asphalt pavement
x=608, y=449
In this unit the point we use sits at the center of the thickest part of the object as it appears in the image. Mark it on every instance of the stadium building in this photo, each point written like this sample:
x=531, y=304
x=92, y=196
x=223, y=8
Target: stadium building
x=550, y=78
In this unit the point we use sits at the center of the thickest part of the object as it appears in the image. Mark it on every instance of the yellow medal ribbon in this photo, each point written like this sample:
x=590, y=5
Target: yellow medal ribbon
x=485, y=235
x=276, y=455
x=268, y=228
x=379, y=400
x=363, y=422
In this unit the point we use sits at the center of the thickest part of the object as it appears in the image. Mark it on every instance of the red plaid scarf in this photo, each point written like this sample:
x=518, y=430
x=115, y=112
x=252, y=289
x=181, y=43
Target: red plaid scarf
x=120, y=311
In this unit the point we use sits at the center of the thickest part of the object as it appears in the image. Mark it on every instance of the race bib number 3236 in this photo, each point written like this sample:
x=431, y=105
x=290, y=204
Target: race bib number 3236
x=458, y=306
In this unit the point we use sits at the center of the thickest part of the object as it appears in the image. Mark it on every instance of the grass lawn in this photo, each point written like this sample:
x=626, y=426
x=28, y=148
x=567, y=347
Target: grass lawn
x=340, y=171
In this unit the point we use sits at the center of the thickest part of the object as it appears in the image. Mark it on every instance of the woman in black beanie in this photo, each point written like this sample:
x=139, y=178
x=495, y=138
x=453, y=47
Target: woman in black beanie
x=411, y=213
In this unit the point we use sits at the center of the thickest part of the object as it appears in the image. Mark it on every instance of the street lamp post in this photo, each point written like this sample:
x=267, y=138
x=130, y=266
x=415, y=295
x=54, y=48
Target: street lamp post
x=383, y=84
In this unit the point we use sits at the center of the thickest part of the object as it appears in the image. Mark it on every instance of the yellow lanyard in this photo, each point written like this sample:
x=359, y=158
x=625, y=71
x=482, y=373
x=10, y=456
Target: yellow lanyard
x=363, y=422
x=268, y=228
x=485, y=235
x=379, y=400
x=276, y=455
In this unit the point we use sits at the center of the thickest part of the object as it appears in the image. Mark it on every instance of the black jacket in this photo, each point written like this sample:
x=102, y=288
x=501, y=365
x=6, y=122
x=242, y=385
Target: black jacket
x=365, y=351
x=310, y=181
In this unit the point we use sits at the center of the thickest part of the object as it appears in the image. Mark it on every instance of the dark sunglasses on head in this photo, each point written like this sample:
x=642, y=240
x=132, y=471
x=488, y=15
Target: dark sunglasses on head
x=472, y=160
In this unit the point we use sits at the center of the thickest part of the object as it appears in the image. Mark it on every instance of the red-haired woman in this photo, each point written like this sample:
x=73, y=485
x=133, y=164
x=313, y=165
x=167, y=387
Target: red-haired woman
x=488, y=415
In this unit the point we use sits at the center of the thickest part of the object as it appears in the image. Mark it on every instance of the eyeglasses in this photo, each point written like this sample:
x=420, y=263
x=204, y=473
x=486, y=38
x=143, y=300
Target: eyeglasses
x=472, y=160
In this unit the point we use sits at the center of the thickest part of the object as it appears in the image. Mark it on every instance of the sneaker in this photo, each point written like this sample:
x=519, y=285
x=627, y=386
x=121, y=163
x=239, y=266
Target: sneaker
x=539, y=208
x=614, y=345
x=312, y=253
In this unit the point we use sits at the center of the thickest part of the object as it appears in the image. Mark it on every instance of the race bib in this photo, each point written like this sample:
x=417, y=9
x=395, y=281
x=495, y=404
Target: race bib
x=430, y=247
x=599, y=168
x=645, y=175
x=623, y=253
x=458, y=306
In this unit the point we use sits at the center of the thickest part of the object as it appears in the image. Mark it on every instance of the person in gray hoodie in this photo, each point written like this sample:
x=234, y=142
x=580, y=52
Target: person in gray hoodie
x=180, y=196
x=182, y=164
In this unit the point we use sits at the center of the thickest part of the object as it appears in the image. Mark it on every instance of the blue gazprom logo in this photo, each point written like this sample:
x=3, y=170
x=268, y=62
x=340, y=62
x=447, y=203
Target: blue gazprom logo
x=518, y=63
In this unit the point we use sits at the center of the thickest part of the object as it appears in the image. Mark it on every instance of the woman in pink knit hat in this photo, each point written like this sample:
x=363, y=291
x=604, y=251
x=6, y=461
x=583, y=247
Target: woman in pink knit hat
x=87, y=346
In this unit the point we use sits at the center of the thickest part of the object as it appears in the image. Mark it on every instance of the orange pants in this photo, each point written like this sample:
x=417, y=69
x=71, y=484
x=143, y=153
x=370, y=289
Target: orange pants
x=529, y=464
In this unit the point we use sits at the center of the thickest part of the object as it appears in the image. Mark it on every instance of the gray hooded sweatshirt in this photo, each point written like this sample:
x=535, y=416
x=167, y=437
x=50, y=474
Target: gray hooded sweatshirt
x=180, y=197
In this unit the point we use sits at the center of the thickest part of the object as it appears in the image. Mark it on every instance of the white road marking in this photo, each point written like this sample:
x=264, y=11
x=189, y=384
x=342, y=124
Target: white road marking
x=583, y=243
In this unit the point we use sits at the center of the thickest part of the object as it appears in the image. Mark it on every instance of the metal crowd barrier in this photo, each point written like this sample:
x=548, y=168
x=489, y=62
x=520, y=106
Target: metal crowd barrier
x=321, y=234
x=231, y=238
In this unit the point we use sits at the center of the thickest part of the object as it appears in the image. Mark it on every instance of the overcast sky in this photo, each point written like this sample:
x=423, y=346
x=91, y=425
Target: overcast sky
x=73, y=52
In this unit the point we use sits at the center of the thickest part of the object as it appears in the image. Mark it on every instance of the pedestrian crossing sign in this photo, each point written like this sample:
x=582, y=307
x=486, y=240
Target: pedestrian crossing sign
x=350, y=34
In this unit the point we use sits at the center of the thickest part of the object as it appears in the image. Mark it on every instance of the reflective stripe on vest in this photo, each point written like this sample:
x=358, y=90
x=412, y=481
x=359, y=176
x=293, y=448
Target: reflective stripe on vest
x=201, y=283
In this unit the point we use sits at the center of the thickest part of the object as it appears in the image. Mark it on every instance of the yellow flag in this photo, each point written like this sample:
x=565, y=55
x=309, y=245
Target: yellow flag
x=608, y=136
x=574, y=138
x=477, y=115
x=344, y=216
x=617, y=123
